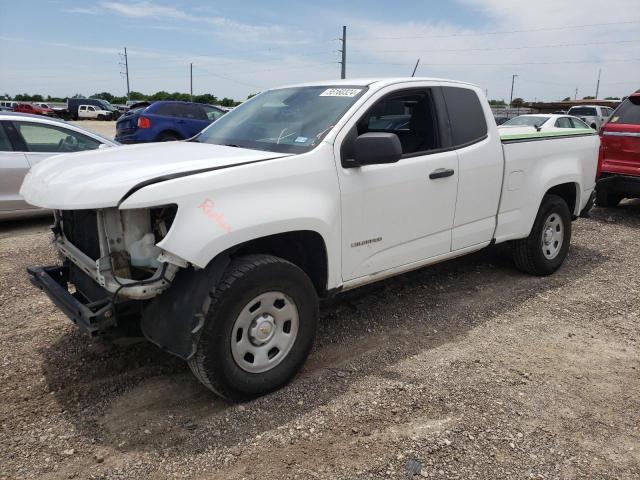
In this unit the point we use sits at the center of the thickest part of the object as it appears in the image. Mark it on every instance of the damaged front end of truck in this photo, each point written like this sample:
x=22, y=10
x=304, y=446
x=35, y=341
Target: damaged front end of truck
x=115, y=281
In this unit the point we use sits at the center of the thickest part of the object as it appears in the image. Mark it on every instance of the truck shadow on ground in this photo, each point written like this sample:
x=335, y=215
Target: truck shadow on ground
x=139, y=398
x=627, y=213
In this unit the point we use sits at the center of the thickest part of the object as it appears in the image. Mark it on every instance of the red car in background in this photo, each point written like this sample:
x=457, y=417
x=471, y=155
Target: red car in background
x=33, y=109
x=619, y=160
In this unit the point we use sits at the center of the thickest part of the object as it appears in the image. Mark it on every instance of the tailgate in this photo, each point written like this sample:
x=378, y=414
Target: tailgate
x=127, y=124
x=621, y=149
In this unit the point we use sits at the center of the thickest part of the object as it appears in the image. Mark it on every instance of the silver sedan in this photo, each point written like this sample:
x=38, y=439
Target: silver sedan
x=28, y=139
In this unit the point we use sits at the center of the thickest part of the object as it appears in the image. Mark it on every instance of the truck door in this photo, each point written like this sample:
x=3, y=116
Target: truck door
x=400, y=213
x=481, y=165
x=13, y=168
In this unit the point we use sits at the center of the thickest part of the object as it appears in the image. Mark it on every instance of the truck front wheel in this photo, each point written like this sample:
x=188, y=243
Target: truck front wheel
x=546, y=247
x=259, y=328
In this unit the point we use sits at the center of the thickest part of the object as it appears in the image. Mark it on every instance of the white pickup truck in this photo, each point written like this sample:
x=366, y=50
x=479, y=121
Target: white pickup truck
x=218, y=248
x=93, y=112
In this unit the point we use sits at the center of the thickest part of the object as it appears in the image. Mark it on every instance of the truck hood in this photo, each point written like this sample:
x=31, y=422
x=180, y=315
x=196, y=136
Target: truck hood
x=101, y=178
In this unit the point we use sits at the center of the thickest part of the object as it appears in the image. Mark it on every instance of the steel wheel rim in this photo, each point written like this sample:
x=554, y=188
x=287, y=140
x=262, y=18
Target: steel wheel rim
x=264, y=332
x=552, y=236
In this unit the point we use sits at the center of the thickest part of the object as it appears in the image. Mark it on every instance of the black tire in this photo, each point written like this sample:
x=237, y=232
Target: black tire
x=529, y=253
x=245, y=278
x=100, y=117
x=607, y=199
x=167, y=137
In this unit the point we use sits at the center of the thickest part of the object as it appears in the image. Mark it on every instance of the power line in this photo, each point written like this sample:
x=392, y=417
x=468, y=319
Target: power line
x=503, y=32
x=626, y=60
x=449, y=50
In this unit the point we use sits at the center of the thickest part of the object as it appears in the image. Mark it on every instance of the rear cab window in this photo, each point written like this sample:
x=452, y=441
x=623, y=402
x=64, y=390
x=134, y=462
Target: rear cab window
x=466, y=116
x=583, y=112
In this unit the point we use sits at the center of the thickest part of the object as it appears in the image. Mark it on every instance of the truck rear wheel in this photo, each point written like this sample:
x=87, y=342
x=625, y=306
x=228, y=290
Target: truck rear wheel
x=259, y=328
x=546, y=247
x=607, y=199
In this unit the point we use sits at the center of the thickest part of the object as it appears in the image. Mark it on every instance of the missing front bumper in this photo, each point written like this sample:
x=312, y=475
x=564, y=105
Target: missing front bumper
x=93, y=317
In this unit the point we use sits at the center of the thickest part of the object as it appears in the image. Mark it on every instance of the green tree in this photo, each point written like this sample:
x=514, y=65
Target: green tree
x=566, y=99
x=137, y=96
x=612, y=98
x=517, y=102
x=588, y=97
x=206, y=98
x=228, y=102
x=103, y=96
x=497, y=103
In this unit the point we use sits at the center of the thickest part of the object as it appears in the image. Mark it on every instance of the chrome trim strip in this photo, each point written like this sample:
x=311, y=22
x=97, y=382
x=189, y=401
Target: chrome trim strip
x=621, y=134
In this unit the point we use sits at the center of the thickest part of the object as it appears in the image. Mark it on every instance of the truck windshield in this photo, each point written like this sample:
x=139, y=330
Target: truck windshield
x=287, y=120
x=527, y=121
x=107, y=106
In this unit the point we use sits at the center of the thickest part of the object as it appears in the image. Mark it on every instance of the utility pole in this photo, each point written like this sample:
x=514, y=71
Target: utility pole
x=126, y=69
x=415, y=68
x=191, y=81
x=343, y=50
x=575, y=96
x=513, y=79
x=598, y=84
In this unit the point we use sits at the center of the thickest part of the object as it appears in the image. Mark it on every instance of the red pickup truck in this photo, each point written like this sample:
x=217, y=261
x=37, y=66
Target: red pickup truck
x=619, y=159
x=33, y=109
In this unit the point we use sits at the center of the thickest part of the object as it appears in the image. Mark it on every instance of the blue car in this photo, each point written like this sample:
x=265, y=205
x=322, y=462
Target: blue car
x=165, y=121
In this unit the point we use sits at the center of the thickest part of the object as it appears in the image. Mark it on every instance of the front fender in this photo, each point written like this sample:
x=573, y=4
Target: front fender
x=221, y=209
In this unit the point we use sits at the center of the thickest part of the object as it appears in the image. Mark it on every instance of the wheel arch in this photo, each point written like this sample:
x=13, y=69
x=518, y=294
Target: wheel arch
x=171, y=131
x=569, y=192
x=304, y=248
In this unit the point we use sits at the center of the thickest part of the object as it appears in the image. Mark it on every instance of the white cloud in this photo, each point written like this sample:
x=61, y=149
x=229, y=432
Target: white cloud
x=550, y=58
x=225, y=26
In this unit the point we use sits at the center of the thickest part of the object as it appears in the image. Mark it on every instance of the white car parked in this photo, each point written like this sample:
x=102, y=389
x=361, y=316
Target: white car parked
x=219, y=247
x=541, y=122
x=26, y=140
x=93, y=112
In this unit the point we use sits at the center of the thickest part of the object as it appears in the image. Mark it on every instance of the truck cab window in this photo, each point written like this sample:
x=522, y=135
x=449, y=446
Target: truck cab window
x=410, y=115
x=466, y=116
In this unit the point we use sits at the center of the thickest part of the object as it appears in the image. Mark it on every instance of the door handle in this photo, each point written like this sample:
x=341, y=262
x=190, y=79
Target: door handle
x=441, y=173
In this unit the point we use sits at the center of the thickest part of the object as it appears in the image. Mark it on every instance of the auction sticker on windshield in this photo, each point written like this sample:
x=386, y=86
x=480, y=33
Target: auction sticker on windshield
x=341, y=92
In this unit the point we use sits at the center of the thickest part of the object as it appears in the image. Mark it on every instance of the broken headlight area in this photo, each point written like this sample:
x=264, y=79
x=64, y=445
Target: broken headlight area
x=118, y=248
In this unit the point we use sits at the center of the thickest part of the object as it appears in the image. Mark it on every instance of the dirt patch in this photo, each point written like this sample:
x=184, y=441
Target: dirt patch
x=465, y=370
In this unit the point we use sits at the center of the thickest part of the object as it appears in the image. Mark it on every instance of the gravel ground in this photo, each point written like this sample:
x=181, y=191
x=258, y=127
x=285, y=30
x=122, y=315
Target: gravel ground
x=104, y=128
x=465, y=370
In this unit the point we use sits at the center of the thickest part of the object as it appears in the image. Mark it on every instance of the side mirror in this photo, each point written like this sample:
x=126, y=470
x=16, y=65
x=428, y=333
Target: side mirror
x=376, y=148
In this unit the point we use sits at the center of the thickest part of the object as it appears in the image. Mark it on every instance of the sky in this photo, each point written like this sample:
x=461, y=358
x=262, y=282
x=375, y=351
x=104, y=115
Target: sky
x=64, y=47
